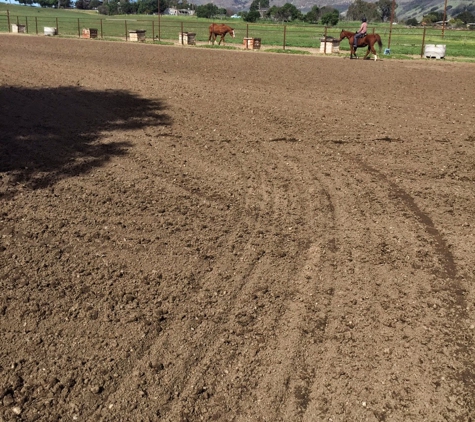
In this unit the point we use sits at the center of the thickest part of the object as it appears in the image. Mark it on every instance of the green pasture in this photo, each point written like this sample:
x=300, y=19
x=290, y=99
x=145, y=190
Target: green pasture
x=405, y=42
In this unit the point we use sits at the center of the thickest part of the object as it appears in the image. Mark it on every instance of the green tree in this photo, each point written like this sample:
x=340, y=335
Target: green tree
x=359, y=9
x=82, y=4
x=146, y=7
x=259, y=4
x=113, y=7
x=208, y=10
x=466, y=17
x=385, y=9
x=94, y=4
x=412, y=22
x=251, y=16
x=313, y=15
x=433, y=17
x=103, y=9
x=331, y=18
x=26, y=2
x=128, y=8
x=288, y=12
x=54, y=3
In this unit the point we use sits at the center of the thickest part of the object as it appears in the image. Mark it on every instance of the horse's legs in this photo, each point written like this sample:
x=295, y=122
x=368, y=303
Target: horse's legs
x=372, y=50
x=374, y=53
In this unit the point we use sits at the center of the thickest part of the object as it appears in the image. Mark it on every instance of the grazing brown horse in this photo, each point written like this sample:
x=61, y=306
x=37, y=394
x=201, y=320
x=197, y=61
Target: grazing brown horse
x=368, y=40
x=216, y=29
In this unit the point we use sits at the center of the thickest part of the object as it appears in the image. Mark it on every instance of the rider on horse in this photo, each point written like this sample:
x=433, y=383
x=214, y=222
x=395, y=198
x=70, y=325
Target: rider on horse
x=361, y=32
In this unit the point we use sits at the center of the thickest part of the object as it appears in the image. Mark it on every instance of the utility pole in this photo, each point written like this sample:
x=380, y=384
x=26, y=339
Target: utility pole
x=158, y=4
x=391, y=23
x=445, y=17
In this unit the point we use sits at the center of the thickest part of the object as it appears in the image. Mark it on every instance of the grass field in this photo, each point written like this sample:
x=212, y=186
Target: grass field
x=404, y=42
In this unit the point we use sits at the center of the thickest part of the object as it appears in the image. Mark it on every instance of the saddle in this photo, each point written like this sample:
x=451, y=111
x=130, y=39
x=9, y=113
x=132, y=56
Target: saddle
x=355, y=43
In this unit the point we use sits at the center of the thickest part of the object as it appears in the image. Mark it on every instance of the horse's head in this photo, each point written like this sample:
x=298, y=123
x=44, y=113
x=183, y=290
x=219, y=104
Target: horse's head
x=345, y=34
x=233, y=34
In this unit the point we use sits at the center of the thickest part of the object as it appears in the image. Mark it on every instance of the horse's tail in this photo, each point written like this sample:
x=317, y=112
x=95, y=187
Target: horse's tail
x=380, y=43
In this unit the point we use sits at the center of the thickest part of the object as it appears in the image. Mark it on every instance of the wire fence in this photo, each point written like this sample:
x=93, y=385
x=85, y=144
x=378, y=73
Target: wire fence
x=402, y=40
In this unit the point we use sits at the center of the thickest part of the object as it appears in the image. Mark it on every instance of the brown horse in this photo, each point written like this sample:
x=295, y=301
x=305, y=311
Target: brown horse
x=368, y=40
x=216, y=29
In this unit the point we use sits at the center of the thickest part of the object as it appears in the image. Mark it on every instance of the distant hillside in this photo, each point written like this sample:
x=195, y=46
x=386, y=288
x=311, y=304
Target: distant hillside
x=406, y=8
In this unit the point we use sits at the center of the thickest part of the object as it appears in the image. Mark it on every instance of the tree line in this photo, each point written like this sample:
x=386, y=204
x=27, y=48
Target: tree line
x=259, y=9
x=380, y=11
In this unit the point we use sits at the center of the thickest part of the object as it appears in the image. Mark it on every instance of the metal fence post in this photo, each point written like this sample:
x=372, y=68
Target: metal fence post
x=181, y=31
x=247, y=30
x=102, y=34
x=79, y=30
x=57, y=27
x=8, y=21
x=153, y=31
x=36, y=24
x=26, y=24
x=125, y=23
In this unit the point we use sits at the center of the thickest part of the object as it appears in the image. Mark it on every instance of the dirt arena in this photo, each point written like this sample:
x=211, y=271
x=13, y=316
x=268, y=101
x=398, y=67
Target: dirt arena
x=210, y=235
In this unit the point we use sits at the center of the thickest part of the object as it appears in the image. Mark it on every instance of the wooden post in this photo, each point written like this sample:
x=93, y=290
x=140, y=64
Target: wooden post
x=423, y=41
x=182, y=35
x=153, y=31
x=126, y=34
x=57, y=27
x=285, y=30
x=102, y=35
x=36, y=24
x=325, y=42
x=247, y=30
x=8, y=20
x=79, y=29
x=26, y=24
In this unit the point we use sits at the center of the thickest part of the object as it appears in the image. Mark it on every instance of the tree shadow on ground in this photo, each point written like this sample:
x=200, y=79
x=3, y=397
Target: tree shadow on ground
x=49, y=134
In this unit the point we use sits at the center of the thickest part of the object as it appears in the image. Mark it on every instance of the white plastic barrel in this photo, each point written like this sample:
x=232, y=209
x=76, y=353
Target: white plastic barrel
x=434, y=51
x=50, y=30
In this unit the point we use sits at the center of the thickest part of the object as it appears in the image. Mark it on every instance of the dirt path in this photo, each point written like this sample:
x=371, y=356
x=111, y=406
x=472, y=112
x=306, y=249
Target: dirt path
x=208, y=235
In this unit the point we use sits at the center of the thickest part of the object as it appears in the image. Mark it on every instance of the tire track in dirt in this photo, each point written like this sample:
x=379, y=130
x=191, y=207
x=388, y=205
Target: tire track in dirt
x=299, y=350
x=144, y=360
x=244, y=364
x=249, y=368
x=455, y=290
x=203, y=357
x=297, y=336
x=345, y=166
x=446, y=257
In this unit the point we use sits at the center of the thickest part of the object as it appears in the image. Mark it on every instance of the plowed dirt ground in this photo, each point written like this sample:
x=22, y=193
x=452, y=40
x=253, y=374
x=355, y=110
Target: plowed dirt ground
x=208, y=235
